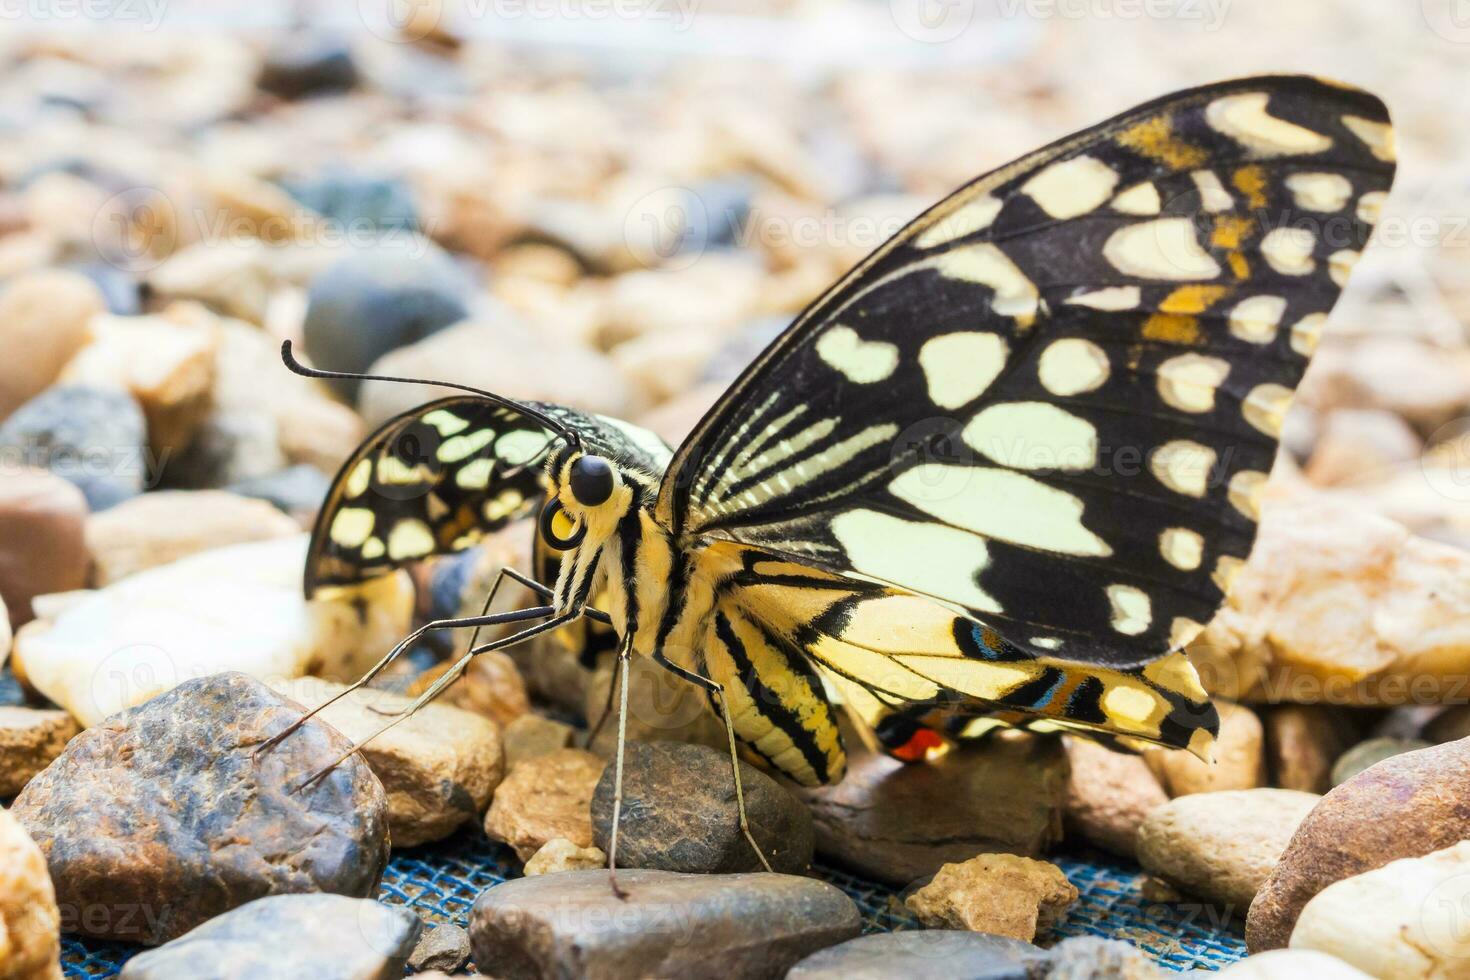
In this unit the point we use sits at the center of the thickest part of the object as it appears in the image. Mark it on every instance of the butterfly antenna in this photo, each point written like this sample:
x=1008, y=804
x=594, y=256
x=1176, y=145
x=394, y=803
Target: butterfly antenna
x=296, y=367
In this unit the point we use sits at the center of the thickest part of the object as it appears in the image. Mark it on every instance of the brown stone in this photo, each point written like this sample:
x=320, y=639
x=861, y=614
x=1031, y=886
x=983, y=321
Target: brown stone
x=1302, y=743
x=30, y=738
x=1000, y=894
x=43, y=323
x=42, y=547
x=491, y=687
x=30, y=938
x=1006, y=794
x=533, y=735
x=1240, y=757
x=561, y=854
x=544, y=798
x=1108, y=795
x=1405, y=806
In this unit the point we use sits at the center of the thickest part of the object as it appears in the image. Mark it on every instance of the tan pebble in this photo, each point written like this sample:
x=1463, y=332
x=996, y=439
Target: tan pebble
x=491, y=687
x=42, y=545
x=545, y=798
x=1291, y=964
x=561, y=854
x=320, y=432
x=44, y=317
x=1240, y=760
x=1302, y=743
x=1002, y=894
x=532, y=735
x=30, y=738
x=30, y=923
x=1108, y=795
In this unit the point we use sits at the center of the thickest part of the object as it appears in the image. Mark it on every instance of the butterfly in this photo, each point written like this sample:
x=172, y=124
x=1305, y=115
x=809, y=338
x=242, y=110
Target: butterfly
x=998, y=475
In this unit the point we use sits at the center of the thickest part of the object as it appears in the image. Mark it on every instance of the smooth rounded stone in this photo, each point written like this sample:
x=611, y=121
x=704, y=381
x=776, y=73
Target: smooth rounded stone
x=1222, y=846
x=544, y=798
x=896, y=823
x=320, y=432
x=445, y=947
x=285, y=937
x=236, y=608
x=296, y=490
x=1377, y=615
x=6, y=633
x=998, y=894
x=235, y=277
x=533, y=735
x=1405, y=919
x=1302, y=743
x=668, y=925
x=953, y=953
x=164, y=816
x=1406, y=806
x=662, y=707
x=228, y=447
x=94, y=437
x=680, y=814
x=43, y=322
x=491, y=687
x=120, y=291
x=30, y=923
x=1240, y=757
x=1093, y=958
x=1108, y=795
x=439, y=766
x=30, y=738
x=307, y=64
x=42, y=545
x=1450, y=725
x=378, y=299
x=1370, y=753
x=1291, y=964
x=357, y=202
x=166, y=525
x=561, y=854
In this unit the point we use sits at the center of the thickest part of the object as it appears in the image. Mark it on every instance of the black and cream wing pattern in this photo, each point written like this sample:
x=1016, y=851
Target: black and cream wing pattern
x=1050, y=403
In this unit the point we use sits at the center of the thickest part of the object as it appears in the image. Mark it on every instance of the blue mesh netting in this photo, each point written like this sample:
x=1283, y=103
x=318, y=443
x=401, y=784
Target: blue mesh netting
x=440, y=882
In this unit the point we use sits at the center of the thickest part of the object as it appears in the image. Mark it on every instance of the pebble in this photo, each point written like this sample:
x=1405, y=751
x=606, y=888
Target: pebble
x=44, y=315
x=42, y=546
x=1240, y=757
x=924, y=953
x=1094, y=958
x=319, y=431
x=234, y=277
x=491, y=687
x=1405, y=919
x=236, y=608
x=1370, y=753
x=680, y=814
x=6, y=633
x=304, y=64
x=297, y=490
x=228, y=447
x=669, y=925
x=1357, y=444
x=378, y=299
x=661, y=708
x=356, y=202
x=533, y=735
x=560, y=854
x=544, y=798
x=166, y=525
x=1222, y=846
x=445, y=947
x=1450, y=725
x=284, y=937
x=30, y=939
x=1406, y=806
x=999, y=795
x=439, y=766
x=999, y=894
x=163, y=816
x=1302, y=743
x=30, y=738
x=1108, y=795
x=94, y=437
x=1291, y=964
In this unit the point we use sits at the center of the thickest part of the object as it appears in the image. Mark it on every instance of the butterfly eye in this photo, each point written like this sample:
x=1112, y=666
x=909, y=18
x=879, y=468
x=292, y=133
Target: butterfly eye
x=591, y=480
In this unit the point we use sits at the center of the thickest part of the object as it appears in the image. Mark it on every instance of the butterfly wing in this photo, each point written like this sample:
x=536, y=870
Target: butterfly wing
x=1050, y=402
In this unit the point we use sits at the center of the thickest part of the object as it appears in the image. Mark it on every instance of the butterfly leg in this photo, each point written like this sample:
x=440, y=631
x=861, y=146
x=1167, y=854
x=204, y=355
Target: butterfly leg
x=716, y=690
x=625, y=653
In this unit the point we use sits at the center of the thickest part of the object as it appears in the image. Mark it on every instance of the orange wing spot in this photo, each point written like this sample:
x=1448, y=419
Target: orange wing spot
x=1171, y=328
x=1154, y=138
x=920, y=744
x=1239, y=265
x=1231, y=230
x=1251, y=181
x=1192, y=299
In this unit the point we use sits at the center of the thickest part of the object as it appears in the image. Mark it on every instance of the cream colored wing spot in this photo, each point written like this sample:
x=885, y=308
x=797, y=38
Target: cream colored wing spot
x=520, y=446
x=1188, y=382
x=965, y=220
x=1182, y=631
x=990, y=681
x=935, y=560
x=1015, y=295
x=1002, y=505
x=1306, y=333
x=1225, y=573
x=1046, y=642
x=1245, y=490
x=1255, y=319
x=352, y=526
x=1370, y=207
x=1140, y=199
x=410, y=538
x=1183, y=466
x=958, y=367
x=1377, y=136
x=1132, y=611
x=861, y=361
x=1033, y=436
x=1324, y=192
x=475, y=475
x=357, y=481
x=395, y=472
x=1289, y=250
x=1214, y=198
x=373, y=549
x=445, y=422
x=459, y=447
x=1265, y=408
x=435, y=506
x=1244, y=118
x=503, y=505
x=1130, y=704
x=1340, y=265
x=1181, y=547
x=1072, y=187
x=1165, y=249
x=1072, y=366
x=1111, y=298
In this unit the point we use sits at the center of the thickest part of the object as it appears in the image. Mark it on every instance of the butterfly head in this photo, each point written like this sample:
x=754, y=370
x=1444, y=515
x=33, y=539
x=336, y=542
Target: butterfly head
x=588, y=495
